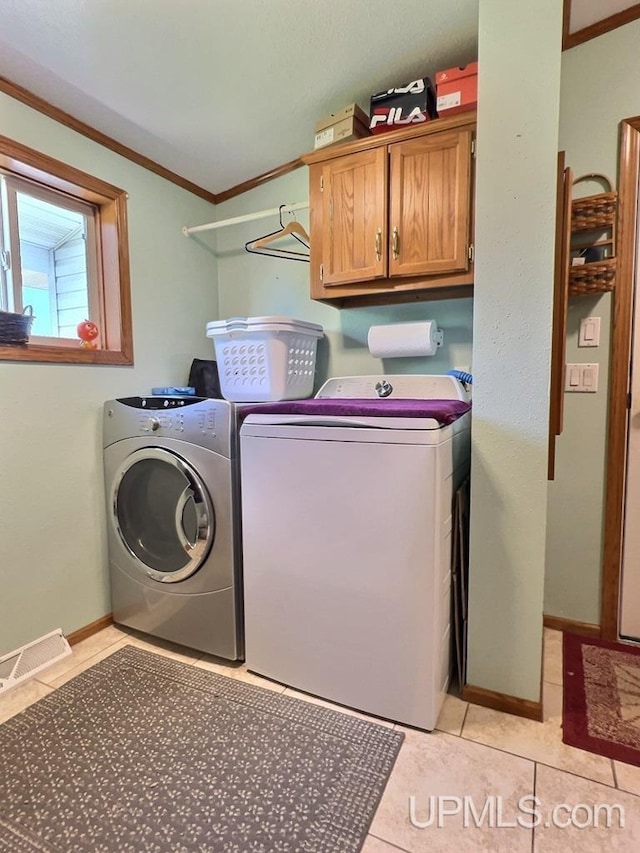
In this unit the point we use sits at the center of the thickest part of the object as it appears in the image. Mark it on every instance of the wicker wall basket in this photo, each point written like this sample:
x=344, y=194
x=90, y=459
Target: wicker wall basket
x=16, y=328
x=593, y=225
x=592, y=212
x=593, y=278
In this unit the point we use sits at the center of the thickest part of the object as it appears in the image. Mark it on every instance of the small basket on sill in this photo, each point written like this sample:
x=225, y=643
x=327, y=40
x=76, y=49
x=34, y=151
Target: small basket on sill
x=16, y=328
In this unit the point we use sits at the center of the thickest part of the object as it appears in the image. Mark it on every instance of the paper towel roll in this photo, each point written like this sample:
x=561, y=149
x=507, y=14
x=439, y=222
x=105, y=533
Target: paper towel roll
x=398, y=340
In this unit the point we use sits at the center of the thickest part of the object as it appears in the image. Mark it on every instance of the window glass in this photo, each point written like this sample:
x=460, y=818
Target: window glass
x=53, y=266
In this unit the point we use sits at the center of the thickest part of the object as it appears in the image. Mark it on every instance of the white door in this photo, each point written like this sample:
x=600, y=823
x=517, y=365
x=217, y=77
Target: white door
x=630, y=588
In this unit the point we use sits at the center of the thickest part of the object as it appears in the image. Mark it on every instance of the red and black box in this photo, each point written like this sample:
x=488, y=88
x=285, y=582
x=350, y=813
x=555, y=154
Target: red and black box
x=394, y=109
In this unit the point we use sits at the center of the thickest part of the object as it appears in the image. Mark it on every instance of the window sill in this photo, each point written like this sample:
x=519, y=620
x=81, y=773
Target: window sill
x=63, y=355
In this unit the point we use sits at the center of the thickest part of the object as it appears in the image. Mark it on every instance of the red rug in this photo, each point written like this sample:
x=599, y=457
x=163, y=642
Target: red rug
x=601, y=707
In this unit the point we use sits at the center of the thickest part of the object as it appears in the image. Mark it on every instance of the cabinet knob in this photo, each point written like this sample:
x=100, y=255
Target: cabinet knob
x=379, y=244
x=395, y=244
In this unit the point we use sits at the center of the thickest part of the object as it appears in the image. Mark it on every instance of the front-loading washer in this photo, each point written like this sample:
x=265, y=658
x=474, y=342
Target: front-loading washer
x=173, y=523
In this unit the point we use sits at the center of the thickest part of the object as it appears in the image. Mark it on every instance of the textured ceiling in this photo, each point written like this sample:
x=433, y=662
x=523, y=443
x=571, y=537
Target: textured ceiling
x=220, y=91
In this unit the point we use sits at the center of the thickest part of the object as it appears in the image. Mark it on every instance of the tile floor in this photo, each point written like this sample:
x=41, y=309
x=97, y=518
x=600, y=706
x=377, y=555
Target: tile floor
x=490, y=758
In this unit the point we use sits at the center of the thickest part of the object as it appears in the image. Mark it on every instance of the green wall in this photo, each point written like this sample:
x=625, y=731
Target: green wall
x=253, y=285
x=52, y=539
x=519, y=57
x=599, y=89
x=53, y=562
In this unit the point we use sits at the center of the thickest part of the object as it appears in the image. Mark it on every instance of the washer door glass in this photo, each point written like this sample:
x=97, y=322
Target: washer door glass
x=163, y=514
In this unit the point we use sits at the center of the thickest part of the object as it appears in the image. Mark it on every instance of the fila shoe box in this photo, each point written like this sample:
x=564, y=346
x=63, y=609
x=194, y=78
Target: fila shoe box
x=457, y=89
x=394, y=109
x=348, y=123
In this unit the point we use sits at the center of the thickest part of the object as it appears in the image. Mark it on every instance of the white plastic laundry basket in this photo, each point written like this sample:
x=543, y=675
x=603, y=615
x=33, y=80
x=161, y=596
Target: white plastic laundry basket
x=262, y=359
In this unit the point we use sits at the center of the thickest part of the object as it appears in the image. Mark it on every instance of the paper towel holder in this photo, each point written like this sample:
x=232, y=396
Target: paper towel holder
x=397, y=340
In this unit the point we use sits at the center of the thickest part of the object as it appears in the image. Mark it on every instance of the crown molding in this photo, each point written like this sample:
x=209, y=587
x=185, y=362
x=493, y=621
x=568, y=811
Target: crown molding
x=40, y=105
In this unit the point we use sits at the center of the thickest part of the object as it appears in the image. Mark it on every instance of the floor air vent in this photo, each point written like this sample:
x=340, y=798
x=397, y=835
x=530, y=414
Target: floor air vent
x=28, y=660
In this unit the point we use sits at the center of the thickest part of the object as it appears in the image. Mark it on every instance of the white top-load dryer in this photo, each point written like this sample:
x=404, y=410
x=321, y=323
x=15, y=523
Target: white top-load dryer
x=347, y=523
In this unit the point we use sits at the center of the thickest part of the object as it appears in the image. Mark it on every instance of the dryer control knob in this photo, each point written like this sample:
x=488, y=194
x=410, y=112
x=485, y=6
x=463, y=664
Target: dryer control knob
x=153, y=424
x=383, y=388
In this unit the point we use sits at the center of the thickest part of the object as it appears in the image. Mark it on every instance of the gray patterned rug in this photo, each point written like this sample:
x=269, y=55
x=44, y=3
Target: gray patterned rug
x=141, y=754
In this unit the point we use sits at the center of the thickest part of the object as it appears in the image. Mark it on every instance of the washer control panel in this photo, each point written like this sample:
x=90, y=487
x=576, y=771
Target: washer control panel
x=406, y=386
x=206, y=422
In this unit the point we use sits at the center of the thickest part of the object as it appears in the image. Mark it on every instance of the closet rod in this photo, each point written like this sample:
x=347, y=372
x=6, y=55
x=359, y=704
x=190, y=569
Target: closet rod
x=261, y=214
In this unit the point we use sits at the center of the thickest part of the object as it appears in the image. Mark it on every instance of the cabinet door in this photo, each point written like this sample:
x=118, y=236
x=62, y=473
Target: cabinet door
x=354, y=217
x=430, y=204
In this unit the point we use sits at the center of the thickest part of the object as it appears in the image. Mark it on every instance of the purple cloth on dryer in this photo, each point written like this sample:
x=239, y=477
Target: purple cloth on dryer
x=444, y=411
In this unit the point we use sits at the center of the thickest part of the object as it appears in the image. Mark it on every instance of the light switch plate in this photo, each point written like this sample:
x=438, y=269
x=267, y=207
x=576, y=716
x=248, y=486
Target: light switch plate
x=589, y=335
x=581, y=378
x=572, y=377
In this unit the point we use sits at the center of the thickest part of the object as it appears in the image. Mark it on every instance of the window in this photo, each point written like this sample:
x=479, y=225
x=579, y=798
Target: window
x=63, y=257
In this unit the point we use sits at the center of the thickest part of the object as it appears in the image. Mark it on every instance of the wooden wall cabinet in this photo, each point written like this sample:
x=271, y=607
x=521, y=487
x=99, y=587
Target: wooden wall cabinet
x=391, y=215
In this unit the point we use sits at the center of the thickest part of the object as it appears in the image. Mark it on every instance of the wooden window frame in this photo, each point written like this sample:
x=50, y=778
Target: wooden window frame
x=17, y=185
x=109, y=202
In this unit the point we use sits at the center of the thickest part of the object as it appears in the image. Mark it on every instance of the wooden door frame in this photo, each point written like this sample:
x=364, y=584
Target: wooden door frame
x=619, y=382
x=604, y=25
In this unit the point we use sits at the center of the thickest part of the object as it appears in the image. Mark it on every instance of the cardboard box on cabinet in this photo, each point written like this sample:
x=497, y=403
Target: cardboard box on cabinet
x=351, y=122
x=394, y=109
x=457, y=89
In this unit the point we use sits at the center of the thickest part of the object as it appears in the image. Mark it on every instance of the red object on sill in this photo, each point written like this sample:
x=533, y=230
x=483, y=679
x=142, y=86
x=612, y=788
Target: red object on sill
x=88, y=332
